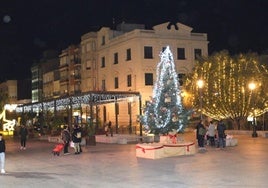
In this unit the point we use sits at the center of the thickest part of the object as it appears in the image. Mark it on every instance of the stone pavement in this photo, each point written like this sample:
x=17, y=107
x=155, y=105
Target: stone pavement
x=116, y=166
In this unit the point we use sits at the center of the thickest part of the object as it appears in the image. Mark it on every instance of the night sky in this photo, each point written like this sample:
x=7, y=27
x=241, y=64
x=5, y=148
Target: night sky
x=28, y=27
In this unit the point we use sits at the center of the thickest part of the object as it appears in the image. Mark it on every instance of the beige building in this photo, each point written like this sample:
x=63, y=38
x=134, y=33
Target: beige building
x=17, y=91
x=9, y=87
x=70, y=71
x=125, y=59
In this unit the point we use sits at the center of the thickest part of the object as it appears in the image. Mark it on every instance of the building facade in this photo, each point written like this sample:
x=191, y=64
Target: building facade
x=124, y=59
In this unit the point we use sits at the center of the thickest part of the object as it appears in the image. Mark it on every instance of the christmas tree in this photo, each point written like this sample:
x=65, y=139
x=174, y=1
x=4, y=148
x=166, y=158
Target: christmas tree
x=165, y=112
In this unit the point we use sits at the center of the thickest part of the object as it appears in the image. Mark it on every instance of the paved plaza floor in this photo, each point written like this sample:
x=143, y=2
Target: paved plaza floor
x=116, y=166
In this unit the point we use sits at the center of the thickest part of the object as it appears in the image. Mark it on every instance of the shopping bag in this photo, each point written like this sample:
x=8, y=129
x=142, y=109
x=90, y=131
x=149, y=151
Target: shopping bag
x=72, y=144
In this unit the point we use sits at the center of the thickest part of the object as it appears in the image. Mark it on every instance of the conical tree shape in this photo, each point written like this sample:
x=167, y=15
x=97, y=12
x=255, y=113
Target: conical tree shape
x=165, y=111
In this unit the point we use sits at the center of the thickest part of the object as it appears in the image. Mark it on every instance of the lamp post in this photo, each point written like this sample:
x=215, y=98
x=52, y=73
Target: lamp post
x=130, y=114
x=200, y=85
x=252, y=87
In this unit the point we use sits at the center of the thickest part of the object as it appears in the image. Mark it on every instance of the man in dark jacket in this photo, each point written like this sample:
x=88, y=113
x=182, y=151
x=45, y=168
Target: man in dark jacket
x=200, y=134
x=23, y=137
x=2, y=154
x=77, y=137
x=221, y=134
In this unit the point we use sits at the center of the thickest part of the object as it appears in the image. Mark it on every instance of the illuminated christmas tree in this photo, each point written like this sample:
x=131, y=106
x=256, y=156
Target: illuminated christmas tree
x=165, y=111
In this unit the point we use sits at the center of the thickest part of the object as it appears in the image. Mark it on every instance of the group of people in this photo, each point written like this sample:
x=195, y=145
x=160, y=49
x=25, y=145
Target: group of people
x=215, y=131
x=75, y=137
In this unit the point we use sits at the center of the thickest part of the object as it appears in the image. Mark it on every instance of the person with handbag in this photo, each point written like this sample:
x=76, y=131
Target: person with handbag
x=66, y=138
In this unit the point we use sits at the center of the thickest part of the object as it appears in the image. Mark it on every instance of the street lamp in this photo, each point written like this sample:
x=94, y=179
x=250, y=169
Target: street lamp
x=252, y=87
x=130, y=114
x=200, y=85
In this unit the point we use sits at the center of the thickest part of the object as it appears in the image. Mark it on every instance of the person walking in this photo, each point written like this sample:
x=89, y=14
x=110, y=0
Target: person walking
x=106, y=128
x=200, y=134
x=23, y=137
x=211, y=133
x=110, y=128
x=221, y=134
x=77, y=137
x=2, y=154
x=66, y=138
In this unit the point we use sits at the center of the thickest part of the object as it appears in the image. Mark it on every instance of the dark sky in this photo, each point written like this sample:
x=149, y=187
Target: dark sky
x=28, y=27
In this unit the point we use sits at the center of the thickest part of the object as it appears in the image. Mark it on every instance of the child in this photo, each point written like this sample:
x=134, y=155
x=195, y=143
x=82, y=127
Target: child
x=2, y=154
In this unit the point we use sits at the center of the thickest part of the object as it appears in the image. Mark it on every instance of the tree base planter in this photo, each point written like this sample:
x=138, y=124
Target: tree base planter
x=158, y=150
x=150, y=151
x=185, y=148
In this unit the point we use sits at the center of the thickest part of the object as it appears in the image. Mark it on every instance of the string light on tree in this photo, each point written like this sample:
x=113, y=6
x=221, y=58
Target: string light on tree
x=225, y=94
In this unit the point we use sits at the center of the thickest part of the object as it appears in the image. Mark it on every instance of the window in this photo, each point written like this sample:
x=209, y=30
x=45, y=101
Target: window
x=148, y=52
x=103, y=40
x=116, y=58
x=93, y=45
x=88, y=47
x=116, y=82
x=149, y=79
x=104, y=114
x=102, y=62
x=129, y=80
x=88, y=64
x=180, y=53
x=128, y=54
x=103, y=86
x=197, y=53
x=180, y=78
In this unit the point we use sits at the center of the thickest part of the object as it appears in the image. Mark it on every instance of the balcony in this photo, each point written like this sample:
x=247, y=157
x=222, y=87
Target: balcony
x=63, y=66
x=77, y=77
x=64, y=79
x=77, y=61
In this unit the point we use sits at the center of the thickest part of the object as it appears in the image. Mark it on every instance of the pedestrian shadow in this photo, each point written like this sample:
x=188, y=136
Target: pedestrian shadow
x=37, y=175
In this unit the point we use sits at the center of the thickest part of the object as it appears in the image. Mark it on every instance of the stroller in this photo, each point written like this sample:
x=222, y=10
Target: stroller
x=57, y=149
